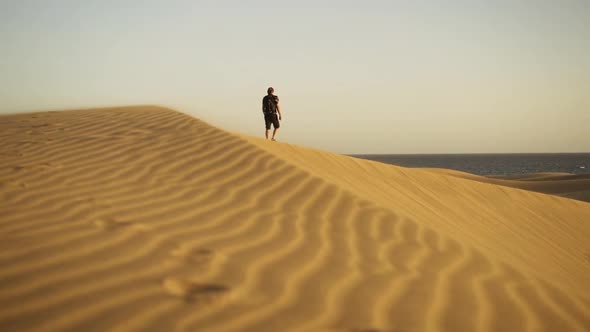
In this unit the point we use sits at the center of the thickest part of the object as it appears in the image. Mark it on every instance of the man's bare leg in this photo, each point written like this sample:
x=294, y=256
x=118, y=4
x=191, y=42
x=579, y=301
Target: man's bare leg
x=274, y=133
x=266, y=133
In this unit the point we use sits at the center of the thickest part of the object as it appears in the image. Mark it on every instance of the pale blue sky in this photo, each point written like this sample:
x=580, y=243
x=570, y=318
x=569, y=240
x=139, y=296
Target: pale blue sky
x=353, y=76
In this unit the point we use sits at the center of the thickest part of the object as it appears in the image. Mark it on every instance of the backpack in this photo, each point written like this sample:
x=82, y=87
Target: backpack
x=270, y=104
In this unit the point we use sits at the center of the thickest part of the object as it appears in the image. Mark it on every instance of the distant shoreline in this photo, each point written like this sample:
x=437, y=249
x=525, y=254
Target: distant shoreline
x=494, y=164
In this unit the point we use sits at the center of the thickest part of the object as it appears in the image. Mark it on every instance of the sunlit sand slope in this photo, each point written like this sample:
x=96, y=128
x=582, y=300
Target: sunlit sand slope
x=146, y=219
x=576, y=186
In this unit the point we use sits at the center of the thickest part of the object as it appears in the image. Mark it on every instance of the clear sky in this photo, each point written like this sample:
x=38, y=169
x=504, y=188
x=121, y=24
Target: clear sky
x=353, y=76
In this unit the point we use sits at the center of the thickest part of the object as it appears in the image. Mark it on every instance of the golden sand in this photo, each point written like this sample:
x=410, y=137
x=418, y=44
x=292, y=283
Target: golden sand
x=146, y=219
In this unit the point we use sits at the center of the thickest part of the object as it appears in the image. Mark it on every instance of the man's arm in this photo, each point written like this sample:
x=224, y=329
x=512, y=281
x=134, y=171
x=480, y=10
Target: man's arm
x=279, y=110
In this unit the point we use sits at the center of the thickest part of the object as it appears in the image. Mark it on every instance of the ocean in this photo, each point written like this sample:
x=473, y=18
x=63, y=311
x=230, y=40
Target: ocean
x=492, y=164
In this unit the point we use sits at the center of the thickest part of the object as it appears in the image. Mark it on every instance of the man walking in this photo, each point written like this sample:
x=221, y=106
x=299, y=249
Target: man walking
x=270, y=107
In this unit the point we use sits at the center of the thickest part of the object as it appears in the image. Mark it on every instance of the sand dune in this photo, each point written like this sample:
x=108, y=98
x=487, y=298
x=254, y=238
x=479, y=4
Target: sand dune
x=576, y=186
x=146, y=219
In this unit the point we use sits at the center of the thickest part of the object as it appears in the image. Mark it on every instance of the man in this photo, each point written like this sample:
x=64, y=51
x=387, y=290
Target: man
x=270, y=107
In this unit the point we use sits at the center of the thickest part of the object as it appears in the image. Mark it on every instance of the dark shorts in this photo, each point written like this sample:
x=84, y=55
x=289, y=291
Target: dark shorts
x=271, y=118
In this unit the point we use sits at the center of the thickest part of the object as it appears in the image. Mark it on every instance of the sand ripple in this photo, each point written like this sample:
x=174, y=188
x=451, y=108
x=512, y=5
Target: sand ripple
x=146, y=219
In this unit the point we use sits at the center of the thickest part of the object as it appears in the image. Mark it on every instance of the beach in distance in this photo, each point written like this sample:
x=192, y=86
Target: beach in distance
x=492, y=164
x=145, y=218
x=563, y=174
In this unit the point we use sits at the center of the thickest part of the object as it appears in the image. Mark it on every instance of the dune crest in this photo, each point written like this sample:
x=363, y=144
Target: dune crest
x=146, y=219
x=575, y=186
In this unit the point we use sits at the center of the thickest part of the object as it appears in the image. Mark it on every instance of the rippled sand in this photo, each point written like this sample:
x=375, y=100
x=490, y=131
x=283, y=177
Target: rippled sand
x=146, y=219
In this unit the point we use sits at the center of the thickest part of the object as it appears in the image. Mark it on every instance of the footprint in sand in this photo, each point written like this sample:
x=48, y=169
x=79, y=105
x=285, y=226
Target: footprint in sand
x=112, y=223
x=198, y=256
x=195, y=291
x=37, y=167
x=107, y=221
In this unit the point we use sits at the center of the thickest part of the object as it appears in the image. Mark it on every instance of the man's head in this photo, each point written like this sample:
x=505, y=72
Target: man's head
x=270, y=91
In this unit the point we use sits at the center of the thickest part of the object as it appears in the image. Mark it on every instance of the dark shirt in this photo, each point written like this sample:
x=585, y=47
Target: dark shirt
x=266, y=104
